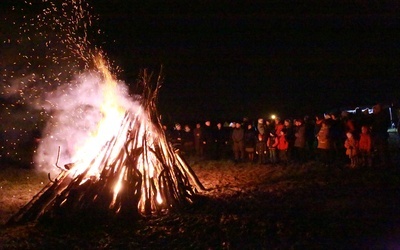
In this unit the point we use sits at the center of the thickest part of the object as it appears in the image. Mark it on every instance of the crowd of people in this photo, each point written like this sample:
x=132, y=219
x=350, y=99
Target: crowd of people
x=355, y=139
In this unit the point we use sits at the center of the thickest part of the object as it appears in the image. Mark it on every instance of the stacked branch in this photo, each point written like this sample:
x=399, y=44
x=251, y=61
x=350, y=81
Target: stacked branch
x=140, y=175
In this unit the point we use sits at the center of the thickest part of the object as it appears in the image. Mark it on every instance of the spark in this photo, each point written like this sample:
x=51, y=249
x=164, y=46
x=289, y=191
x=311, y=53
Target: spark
x=42, y=54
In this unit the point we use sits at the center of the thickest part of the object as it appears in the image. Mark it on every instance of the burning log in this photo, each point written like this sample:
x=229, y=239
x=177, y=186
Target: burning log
x=136, y=173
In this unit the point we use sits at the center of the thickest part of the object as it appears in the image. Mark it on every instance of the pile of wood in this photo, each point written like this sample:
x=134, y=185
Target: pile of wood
x=144, y=177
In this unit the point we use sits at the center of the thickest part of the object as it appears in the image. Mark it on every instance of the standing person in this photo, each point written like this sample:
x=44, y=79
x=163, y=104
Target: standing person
x=272, y=144
x=380, y=135
x=261, y=148
x=238, y=145
x=176, y=137
x=351, y=145
x=365, y=147
x=261, y=126
x=187, y=140
x=167, y=132
x=250, y=142
x=269, y=129
x=319, y=119
x=324, y=143
x=208, y=140
x=220, y=141
x=283, y=146
x=278, y=126
x=288, y=126
x=198, y=140
x=337, y=136
x=299, y=141
x=310, y=137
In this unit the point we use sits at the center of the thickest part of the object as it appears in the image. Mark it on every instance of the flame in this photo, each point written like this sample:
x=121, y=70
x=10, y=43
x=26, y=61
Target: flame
x=117, y=187
x=159, y=198
x=112, y=115
x=86, y=160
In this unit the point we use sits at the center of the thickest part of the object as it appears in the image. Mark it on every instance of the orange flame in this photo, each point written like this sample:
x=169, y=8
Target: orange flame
x=112, y=115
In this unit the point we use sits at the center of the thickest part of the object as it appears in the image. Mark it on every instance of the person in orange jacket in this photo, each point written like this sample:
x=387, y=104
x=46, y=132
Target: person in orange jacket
x=283, y=146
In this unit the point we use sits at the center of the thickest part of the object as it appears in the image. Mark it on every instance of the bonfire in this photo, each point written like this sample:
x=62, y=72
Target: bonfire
x=127, y=169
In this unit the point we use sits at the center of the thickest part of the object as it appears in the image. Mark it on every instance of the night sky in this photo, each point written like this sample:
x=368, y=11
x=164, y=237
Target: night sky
x=228, y=59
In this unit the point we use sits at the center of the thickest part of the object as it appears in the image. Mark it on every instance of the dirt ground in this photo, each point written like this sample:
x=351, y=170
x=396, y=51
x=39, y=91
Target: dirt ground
x=246, y=206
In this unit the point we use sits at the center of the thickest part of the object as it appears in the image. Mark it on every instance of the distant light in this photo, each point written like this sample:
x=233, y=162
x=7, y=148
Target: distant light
x=273, y=117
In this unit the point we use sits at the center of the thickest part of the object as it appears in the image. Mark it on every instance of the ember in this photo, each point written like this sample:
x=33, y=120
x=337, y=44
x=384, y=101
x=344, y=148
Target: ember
x=134, y=172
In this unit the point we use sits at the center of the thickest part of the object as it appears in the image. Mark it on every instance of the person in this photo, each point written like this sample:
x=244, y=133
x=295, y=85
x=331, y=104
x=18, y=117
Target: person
x=283, y=146
x=269, y=127
x=238, y=145
x=337, y=137
x=310, y=137
x=187, y=140
x=176, y=137
x=261, y=126
x=289, y=133
x=365, y=147
x=299, y=141
x=250, y=142
x=318, y=124
x=167, y=132
x=220, y=141
x=208, y=140
x=261, y=149
x=272, y=143
x=351, y=145
x=380, y=135
x=324, y=143
x=278, y=126
x=198, y=140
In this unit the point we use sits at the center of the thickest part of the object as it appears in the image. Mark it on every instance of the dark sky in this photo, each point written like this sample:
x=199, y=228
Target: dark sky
x=229, y=59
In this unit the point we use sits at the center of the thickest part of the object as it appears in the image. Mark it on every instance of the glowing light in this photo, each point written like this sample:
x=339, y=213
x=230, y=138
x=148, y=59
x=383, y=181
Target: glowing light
x=86, y=110
x=108, y=127
x=159, y=198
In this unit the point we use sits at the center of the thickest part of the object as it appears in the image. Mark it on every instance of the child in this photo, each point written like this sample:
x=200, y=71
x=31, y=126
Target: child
x=261, y=149
x=365, y=147
x=351, y=145
x=283, y=146
x=272, y=143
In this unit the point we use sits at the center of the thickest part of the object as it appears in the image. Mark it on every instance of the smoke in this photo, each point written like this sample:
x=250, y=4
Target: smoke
x=42, y=94
x=75, y=113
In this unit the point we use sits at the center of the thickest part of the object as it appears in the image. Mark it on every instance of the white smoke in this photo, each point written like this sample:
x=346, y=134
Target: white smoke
x=75, y=113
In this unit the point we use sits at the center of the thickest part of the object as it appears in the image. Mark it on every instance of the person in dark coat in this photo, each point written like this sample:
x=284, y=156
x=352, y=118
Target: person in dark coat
x=310, y=137
x=176, y=137
x=208, y=141
x=288, y=126
x=250, y=142
x=198, y=140
x=261, y=148
x=220, y=141
x=337, y=136
x=187, y=140
x=238, y=144
x=380, y=136
x=299, y=141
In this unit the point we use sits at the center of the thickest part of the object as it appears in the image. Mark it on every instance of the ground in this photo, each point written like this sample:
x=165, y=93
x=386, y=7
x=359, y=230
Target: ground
x=246, y=206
